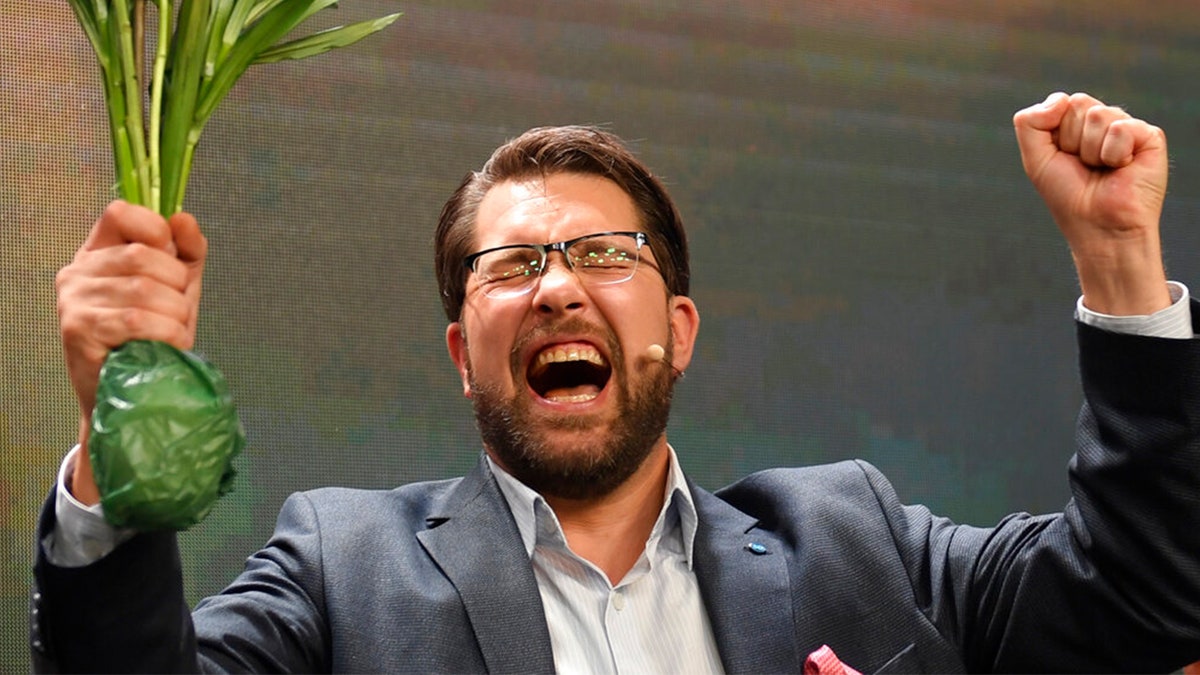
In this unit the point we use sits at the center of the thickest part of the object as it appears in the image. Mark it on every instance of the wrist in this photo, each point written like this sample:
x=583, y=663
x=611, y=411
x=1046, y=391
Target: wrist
x=1123, y=279
x=80, y=481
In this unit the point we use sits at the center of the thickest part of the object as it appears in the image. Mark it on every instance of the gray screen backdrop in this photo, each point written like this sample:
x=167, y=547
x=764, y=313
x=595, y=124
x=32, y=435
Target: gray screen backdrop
x=875, y=276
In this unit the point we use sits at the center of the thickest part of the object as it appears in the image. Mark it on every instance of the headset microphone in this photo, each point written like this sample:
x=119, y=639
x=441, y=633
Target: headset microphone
x=655, y=352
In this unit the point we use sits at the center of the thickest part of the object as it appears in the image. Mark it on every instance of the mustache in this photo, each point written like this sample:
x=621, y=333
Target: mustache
x=574, y=325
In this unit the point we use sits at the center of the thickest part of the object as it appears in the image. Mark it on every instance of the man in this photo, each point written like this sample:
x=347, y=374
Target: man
x=578, y=545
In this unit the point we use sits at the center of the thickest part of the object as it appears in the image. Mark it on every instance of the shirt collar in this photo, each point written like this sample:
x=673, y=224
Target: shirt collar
x=528, y=507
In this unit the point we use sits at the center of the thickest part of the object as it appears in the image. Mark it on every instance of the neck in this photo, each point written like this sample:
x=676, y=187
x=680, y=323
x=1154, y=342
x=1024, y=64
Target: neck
x=611, y=531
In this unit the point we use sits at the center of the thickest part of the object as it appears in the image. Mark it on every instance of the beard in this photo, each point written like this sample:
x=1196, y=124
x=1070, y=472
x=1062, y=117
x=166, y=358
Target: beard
x=594, y=461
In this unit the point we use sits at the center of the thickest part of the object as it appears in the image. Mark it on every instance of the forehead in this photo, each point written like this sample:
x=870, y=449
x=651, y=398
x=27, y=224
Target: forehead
x=552, y=208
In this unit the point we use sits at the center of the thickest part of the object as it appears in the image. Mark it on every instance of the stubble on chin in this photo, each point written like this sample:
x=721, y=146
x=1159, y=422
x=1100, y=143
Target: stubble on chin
x=575, y=457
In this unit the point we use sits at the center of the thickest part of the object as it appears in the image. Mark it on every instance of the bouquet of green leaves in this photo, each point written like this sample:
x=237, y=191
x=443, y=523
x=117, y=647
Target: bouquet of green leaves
x=164, y=430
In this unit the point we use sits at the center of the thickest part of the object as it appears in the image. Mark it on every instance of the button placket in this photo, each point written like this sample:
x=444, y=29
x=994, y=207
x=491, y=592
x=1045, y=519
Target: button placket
x=618, y=600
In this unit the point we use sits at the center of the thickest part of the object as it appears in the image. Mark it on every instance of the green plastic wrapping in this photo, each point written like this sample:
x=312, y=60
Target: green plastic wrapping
x=163, y=438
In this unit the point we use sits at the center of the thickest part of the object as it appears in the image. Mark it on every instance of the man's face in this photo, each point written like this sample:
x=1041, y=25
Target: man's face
x=566, y=396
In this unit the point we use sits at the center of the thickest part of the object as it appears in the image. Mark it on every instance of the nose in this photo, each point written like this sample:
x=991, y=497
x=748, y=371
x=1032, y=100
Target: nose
x=558, y=288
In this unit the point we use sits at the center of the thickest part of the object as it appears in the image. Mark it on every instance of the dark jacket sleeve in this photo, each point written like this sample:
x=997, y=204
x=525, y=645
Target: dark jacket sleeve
x=123, y=613
x=273, y=617
x=1113, y=583
x=126, y=612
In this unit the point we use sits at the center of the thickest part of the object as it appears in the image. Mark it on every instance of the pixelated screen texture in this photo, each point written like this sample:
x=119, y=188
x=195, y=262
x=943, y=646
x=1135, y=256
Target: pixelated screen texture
x=875, y=276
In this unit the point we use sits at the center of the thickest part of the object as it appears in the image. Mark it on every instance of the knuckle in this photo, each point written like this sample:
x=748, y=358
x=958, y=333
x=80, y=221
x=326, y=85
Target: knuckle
x=62, y=278
x=137, y=287
x=134, y=321
x=67, y=305
x=184, y=339
x=80, y=331
x=64, y=312
x=112, y=211
x=134, y=251
x=134, y=258
x=69, y=324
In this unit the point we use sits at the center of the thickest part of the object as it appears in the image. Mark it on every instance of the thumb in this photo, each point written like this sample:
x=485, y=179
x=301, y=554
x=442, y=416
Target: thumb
x=125, y=223
x=1035, y=127
x=191, y=248
x=190, y=244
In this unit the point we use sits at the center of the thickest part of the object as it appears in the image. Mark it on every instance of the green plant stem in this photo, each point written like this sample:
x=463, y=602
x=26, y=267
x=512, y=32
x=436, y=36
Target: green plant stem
x=185, y=166
x=218, y=20
x=135, y=132
x=114, y=95
x=205, y=47
x=186, y=63
x=165, y=10
x=139, y=44
x=127, y=177
x=92, y=28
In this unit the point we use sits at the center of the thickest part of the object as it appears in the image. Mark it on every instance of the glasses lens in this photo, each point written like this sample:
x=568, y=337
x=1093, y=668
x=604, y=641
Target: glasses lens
x=508, y=271
x=605, y=258
x=597, y=259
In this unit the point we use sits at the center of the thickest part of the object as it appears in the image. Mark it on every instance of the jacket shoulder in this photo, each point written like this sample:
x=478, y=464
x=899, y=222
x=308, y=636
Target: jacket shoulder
x=340, y=509
x=811, y=489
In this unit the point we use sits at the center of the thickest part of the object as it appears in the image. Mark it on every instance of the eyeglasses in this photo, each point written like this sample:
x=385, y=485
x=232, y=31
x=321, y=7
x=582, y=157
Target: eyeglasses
x=597, y=259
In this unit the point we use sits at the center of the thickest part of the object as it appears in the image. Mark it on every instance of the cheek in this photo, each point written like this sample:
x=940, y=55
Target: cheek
x=486, y=356
x=489, y=341
x=638, y=323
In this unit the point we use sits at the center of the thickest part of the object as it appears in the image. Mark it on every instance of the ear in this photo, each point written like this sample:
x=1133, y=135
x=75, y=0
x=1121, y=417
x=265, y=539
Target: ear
x=685, y=326
x=456, y=344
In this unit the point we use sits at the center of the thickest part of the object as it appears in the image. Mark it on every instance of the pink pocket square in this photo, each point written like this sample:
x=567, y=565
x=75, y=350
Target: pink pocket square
x=825, y=662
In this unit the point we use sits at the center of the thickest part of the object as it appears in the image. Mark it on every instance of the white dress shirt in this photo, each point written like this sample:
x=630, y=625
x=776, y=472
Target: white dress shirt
x=652, y=621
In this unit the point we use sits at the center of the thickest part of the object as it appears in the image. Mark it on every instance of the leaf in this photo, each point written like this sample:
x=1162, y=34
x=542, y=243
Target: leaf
x=86, y=14
x=274, y=24
x=233, y=27
x=213, y=44
x=319, y=43
x=218, y=18
x=186, y=62
x=261, y=7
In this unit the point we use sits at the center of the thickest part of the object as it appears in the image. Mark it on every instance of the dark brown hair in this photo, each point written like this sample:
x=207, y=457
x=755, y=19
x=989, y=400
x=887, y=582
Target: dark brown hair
x=553, y=150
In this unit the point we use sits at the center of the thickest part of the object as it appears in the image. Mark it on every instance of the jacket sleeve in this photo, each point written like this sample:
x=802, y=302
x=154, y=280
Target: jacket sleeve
x=126, y=612
x=272, y=618
x=1112, y=583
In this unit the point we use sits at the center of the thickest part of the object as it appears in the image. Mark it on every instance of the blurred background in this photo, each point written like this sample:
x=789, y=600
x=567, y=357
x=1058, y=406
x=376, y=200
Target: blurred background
x=876, y=277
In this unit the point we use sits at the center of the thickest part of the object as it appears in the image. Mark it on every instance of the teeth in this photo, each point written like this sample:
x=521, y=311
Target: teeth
x=577, y=398
x=572, y=353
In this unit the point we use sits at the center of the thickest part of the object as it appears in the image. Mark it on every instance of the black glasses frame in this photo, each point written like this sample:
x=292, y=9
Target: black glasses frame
x=560, y=246
x=640, y=240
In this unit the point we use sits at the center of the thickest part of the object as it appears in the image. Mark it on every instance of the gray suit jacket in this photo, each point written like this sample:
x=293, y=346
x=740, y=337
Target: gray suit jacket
x=432, y=577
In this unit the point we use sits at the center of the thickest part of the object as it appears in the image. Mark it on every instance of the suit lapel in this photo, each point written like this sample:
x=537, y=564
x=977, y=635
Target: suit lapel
x=478, y=547
x=743, y=576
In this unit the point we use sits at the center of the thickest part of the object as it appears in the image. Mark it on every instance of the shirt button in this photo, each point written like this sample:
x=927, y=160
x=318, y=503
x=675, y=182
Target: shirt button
x=618, y=600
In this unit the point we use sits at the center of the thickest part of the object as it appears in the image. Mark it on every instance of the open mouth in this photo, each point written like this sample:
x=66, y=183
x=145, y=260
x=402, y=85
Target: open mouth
x=568, y=373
